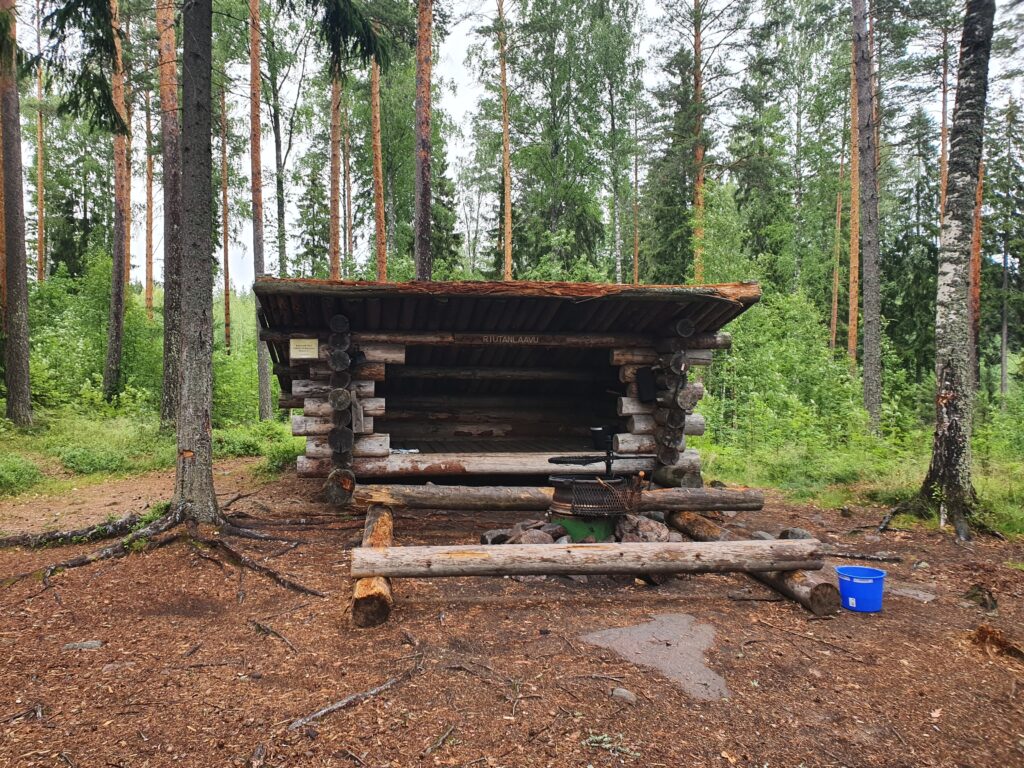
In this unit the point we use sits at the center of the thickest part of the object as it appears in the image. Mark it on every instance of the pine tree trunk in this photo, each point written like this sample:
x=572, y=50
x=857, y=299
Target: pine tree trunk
x=16, y=350
x=3, y=237
x=279, y=194
x=193, y=487
x=506, y=155
x=255, y=141
x=127, y=178
x=149, y=205
x=949, y=475
x=40, y=155
x=975, y=284
x=870, y=250
x=335, y=241
x=836, y=250
x=698, y=145
x=346, y=161
x=421, y=216
x=170, y=132
x=636, y=219
x=224, y=215
x=380, y=236
x=854, y=290
x=115, y=322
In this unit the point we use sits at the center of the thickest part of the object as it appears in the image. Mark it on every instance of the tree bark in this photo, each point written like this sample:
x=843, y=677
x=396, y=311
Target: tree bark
x=813, y=591
x=870, y=250
x=854, y=290
x=335, y=186
x=944, y=128
x=567, y=559
x=422, y=196
x=16, y=349
x=149, y=204
x=40, y=155
x=115, y=322
x=255, y=142
x=975, y=278
x=636, y=208
x=698, y=144
x=275, y=124
x=380, y=233
x=346, y=160
x=194, y=495
x=3, y=228
x=171, y=166
x=506, y=162
x=225, y=232
x=836, y=249
x=949, y=474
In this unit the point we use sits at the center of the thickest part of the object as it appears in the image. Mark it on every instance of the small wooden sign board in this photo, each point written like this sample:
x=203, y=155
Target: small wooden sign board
x=303, y=349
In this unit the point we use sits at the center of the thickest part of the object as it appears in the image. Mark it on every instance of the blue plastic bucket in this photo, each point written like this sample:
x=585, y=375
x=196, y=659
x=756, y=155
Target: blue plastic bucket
x=860, y=588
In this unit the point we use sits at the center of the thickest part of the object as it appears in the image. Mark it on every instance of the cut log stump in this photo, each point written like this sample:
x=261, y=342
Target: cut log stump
x=371, y=598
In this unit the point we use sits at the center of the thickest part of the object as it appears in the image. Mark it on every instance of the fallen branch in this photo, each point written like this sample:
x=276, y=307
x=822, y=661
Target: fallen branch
x=353, y=699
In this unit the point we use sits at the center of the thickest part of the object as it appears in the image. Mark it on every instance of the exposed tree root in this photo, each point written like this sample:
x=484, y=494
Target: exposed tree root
x=147, y=537
x=243, y=561
x=107, y=530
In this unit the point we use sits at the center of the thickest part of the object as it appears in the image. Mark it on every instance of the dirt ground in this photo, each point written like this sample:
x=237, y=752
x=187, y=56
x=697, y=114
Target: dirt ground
x=200, y=665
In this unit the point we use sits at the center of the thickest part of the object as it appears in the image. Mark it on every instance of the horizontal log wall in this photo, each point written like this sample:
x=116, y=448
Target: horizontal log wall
x=360, y=361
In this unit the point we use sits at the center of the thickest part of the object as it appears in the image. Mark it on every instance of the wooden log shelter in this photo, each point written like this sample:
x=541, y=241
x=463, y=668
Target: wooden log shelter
x=483, y=382
x=456, y=395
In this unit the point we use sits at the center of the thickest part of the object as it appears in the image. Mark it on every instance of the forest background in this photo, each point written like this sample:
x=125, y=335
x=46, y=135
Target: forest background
x=707, y=139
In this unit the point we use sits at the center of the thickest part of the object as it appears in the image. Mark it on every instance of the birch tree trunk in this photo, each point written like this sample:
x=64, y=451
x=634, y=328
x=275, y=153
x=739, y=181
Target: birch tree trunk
x=335, y=186
x=949, y=474
x=16, y=372
x=380, y=236
x=506, y=160
x=170, y=131
x=255, y=141
x=944, y=128
x=975, y=278
x=421, y=217
x=870, y=251
x=193, y=486
x=115, y=322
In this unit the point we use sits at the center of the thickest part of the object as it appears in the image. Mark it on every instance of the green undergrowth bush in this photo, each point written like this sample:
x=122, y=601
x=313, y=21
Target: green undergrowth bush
x=17, y=474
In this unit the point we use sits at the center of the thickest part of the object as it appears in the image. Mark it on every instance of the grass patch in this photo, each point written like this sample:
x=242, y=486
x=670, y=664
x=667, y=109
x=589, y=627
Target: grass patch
x=17, y=474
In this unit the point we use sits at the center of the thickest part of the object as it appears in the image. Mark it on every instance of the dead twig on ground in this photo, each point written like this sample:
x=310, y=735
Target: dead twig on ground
x=869, y=557
x=266, y=629
x=353, y=699
x=439, y=743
